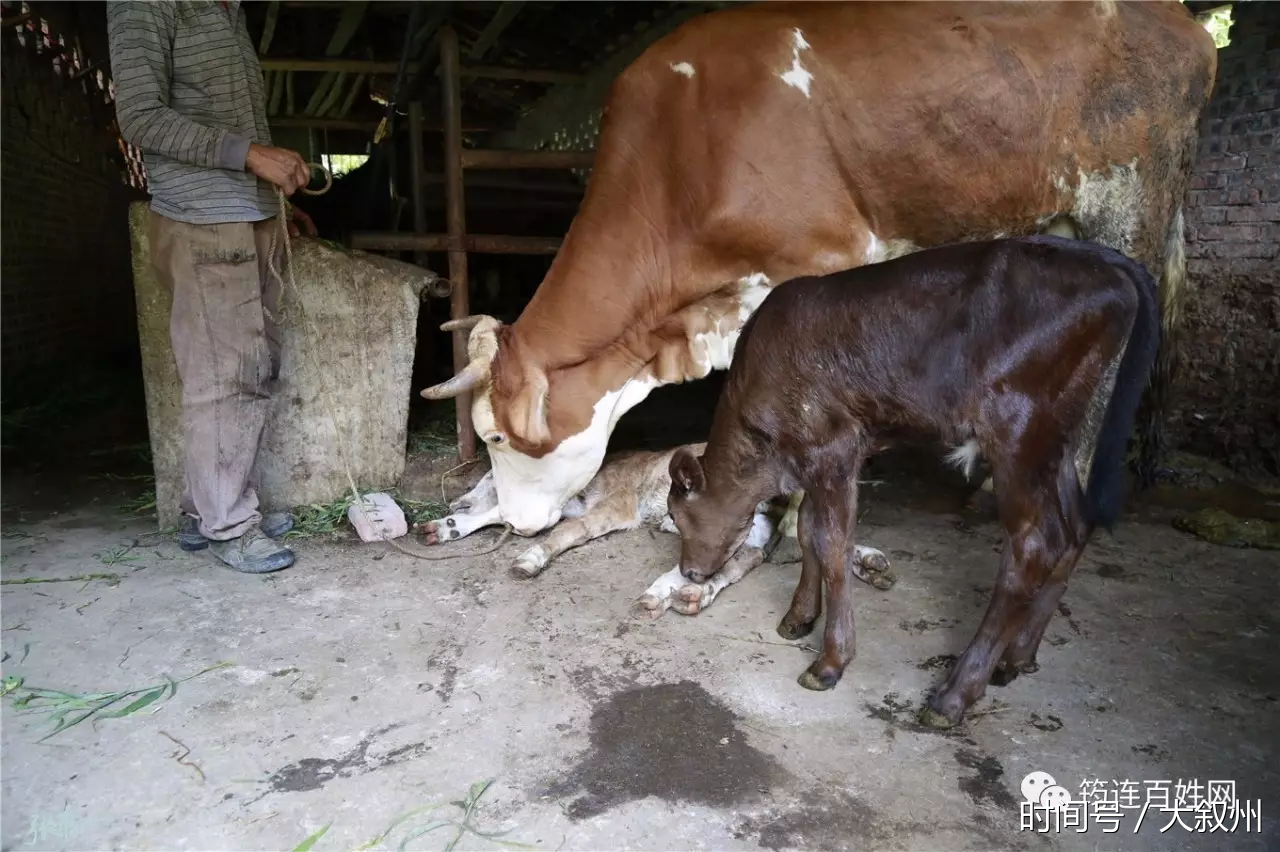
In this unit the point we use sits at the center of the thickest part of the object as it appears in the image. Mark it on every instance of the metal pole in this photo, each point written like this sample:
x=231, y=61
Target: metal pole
x=450, y=84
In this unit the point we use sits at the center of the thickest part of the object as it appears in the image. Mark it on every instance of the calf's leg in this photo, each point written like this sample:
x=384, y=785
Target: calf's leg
x=831, y=540
x=693, y=598
x=600, y=520
x=1037, y=544
x=1020, y=656
x=806, y=602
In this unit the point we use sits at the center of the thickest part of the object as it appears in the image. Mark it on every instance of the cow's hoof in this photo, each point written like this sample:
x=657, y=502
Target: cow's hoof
x=931, y=718
x=787, y=552
x=647, y=608
x=818, y=682
x=793, y=632
x=430, y=533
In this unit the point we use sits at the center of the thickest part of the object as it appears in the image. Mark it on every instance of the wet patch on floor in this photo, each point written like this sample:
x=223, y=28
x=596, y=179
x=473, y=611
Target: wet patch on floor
x=671, y=741
x=986, y=785
x=312, y=773
x=922, y=625
x=830, y=818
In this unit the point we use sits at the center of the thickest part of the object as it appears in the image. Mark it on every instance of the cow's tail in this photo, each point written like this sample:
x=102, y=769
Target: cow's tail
x=1104, y=496
x=1173, y=293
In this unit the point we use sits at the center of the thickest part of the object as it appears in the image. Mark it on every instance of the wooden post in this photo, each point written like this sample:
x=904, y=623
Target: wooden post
x=455, y=210
x=417, y=192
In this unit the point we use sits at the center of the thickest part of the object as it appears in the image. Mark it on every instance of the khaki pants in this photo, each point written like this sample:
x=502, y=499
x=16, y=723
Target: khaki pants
x=226, y=343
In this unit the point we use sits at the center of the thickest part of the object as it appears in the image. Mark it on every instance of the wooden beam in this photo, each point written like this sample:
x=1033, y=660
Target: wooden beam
x=417, y=188
x=480, y=158
x=528, y=75
x=352, y=15
x=371, y=66
x=269, y=26
x=456, y=219
x=356, y=88
x=500, y=21
x=479, y=243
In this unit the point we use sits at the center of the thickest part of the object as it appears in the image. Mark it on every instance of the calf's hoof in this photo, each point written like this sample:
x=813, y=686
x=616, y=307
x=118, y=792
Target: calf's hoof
x=647, y=608
x=691, y=599
x=884, y=580
x=528, y=565
x=791, y=632
x=931, y=718
x=1006, y=673
x=819, y=681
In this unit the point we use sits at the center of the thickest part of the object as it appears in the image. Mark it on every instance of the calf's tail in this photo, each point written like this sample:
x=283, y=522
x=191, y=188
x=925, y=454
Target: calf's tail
x=1104, y=496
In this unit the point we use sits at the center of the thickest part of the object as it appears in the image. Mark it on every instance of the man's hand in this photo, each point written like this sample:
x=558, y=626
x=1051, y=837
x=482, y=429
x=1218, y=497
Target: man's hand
x=279, y=166
x=308, y=227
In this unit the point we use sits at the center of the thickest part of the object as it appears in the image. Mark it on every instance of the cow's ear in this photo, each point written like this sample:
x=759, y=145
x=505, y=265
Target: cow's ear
x=686, y=472
x=529, y=408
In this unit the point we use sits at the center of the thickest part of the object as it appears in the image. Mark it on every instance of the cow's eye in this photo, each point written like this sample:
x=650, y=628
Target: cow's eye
x=497, y=438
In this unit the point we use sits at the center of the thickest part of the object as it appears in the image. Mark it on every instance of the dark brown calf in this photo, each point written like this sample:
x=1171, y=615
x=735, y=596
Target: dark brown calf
x=997, y=347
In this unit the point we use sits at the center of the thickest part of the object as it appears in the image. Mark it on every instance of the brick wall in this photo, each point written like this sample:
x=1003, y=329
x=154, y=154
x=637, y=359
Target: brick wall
x=66, y=291
x=1229, y=396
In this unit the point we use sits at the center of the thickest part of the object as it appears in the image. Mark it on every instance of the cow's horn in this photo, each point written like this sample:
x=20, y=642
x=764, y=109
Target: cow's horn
x=462, y=323
x=472, y=375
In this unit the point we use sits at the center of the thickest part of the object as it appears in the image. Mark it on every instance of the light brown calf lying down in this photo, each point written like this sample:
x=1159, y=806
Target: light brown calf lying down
x=630, y=492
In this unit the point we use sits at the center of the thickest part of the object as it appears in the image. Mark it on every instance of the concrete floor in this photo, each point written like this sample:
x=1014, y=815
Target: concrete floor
x=365, y=684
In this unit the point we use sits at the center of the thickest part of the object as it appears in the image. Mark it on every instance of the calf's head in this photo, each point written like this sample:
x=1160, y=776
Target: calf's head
x=536, y=468
x=711, y=527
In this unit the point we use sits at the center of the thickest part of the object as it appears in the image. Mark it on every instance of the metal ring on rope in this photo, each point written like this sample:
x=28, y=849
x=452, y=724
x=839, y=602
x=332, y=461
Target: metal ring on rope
x=328, y=180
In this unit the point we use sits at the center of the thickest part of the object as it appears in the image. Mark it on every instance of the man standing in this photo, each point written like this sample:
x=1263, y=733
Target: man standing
x=189, y=94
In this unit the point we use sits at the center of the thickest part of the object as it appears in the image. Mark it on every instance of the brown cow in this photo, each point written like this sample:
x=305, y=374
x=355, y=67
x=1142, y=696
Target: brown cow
x=761, y=143
x=997, y=347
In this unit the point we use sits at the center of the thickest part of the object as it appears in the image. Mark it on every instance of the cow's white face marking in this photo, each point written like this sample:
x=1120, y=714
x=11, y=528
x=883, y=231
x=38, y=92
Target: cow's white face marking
x=714, y=349
x=532, y=492
x=683, y=68
x=796, y=75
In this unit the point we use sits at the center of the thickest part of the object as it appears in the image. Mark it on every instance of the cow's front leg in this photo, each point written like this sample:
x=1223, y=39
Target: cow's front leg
x=481, y=498
x=460, y=525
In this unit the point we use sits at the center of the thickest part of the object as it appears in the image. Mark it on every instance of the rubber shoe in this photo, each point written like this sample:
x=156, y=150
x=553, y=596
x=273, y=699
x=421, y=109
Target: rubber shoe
x=191, y=539
x=252, y=553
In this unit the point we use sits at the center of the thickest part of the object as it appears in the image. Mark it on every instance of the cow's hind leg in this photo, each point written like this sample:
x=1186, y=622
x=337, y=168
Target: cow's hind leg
x=602, y=519
x=1034, y=551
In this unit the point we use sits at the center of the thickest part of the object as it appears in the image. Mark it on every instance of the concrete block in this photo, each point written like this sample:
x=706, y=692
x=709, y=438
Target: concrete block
x=358, y=372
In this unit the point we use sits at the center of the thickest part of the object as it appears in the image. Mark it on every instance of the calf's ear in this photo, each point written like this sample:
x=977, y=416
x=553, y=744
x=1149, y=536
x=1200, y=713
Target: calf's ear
x=686, y=472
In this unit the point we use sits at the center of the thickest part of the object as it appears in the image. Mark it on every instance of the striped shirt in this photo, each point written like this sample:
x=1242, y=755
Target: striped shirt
x=189, y=94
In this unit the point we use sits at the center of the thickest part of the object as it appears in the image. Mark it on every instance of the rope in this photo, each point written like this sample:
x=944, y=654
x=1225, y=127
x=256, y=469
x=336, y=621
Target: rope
x=331, y=408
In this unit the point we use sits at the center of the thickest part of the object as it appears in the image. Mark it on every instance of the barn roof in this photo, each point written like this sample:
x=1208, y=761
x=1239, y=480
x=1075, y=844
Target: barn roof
x=331, y=55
